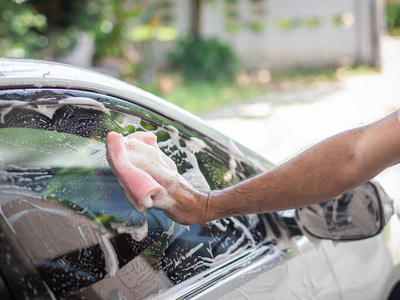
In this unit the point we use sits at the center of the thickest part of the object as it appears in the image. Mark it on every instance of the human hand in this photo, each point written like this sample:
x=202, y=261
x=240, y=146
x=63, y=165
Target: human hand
x=150, y=179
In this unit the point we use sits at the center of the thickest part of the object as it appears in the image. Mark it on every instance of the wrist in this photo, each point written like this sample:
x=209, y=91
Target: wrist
x=202, y=208
x=211, y=212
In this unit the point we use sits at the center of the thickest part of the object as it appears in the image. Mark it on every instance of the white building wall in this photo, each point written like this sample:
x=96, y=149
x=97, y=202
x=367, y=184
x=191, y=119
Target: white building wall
x=327, y=44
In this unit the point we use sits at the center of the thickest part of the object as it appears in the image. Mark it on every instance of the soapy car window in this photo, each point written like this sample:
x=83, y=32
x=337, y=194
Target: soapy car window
x=70, y=213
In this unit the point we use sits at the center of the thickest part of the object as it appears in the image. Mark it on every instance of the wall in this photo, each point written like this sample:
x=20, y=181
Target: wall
x=284, y=34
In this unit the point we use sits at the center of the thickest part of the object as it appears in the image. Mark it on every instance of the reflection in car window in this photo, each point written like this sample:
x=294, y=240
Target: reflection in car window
x=70, y=213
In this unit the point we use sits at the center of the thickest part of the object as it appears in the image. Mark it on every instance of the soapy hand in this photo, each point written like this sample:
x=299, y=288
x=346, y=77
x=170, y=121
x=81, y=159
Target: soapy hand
x=150, y=179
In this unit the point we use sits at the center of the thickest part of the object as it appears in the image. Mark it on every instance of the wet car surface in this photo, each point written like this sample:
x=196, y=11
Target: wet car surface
x=68, y=231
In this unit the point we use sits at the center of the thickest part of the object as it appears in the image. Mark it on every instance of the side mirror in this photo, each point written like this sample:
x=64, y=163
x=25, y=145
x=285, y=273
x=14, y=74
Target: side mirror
x=357, y=214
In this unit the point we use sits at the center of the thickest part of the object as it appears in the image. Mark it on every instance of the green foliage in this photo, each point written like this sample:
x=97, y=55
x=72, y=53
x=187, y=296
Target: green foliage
x=40, y=29
x=257, y=26
x=204, y=59
x=393, y=17
x=48, y=28
x=202, y=96
x=22, y=29
x=287, y=24
x=311, y=22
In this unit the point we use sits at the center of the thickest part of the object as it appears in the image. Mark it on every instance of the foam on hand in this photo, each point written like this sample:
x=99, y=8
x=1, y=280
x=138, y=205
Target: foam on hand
x=138, y=185
x=135, y=159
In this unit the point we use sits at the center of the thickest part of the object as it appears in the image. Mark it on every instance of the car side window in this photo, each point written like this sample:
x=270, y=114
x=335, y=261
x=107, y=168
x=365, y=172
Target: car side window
x=69, y=212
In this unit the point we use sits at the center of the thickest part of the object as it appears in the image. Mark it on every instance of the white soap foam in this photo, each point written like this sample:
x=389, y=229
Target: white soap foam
x=138, y=232
x=193, y=175
x=48, y=107
x=130, y=120
x=7, y=106
x=236, y=154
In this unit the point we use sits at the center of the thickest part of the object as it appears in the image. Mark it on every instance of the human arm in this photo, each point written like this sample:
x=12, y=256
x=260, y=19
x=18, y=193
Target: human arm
x=323, y=171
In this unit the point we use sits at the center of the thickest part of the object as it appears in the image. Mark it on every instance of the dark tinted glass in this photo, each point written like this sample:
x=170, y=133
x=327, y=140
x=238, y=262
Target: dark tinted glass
x=70, y=214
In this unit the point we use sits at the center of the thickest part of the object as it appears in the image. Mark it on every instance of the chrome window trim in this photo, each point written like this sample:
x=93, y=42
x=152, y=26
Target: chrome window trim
x=255, y=261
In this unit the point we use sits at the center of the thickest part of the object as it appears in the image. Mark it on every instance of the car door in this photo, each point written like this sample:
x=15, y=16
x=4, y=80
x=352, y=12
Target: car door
x=75, y=228
x=304, y=273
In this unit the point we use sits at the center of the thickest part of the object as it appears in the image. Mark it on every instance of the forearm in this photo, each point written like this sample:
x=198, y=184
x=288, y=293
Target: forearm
x=324, y=171
x=315, y=175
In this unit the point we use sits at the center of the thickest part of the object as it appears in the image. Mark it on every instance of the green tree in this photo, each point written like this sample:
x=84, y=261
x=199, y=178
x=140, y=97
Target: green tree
x=22, y=29
x=393, y=17
x=49, y=28
x=207, y=59
x=42, y=28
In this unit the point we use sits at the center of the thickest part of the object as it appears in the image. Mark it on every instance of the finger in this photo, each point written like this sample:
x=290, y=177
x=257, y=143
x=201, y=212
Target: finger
x=139, y=186
x=145, y=137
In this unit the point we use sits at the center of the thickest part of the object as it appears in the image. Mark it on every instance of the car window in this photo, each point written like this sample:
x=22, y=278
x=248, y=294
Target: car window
x=60, y=198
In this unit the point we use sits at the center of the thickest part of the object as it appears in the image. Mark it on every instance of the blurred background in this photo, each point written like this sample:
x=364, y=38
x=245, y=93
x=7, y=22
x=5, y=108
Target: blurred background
x=219, y=51
x=277, y=75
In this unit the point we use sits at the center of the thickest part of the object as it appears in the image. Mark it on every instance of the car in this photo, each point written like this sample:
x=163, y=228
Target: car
x=67, y=230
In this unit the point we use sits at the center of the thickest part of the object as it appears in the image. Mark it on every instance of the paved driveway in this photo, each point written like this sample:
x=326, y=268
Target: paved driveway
x=304, y=117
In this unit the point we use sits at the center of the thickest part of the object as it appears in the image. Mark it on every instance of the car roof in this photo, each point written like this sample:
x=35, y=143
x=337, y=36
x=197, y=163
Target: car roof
x=30, y=73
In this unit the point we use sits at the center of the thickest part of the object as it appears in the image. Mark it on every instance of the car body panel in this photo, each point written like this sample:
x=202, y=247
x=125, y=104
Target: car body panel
x=376, y=259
